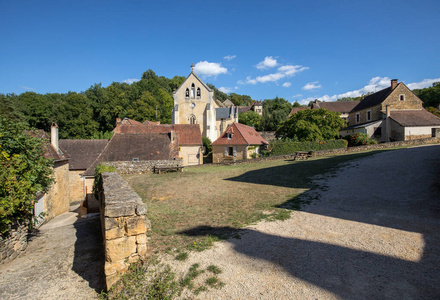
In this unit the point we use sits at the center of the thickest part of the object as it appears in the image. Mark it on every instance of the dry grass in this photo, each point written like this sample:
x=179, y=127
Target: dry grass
x=194, y=208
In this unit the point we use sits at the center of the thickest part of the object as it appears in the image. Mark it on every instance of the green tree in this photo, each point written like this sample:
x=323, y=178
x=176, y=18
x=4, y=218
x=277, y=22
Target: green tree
x=430, y=96
x=311, y=125
x=219, y=95
x=275, y=113
x=23, y=172
x=250, y=118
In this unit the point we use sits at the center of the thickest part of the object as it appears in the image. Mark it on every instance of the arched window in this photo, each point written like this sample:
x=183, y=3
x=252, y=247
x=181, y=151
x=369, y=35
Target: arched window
x=187, y=93
x=192, y=119
x=198, y=92
x=193, y=90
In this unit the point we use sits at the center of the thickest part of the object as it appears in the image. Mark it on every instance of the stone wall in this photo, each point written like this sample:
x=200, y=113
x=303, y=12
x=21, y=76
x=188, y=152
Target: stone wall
x=76, y=183
x=13, y=243
x=57, y=199
x=133, y=167
x=124, y=225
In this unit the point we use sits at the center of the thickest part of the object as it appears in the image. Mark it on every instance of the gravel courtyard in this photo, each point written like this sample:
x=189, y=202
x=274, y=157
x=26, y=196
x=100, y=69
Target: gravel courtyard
x=372, y=231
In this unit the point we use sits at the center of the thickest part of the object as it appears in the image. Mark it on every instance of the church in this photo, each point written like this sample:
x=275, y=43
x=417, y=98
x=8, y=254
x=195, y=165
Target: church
x=194, y=103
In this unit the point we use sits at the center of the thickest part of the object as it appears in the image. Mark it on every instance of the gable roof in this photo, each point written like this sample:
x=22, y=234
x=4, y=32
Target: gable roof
x=228, y=103
x=144, y=146
x=413, y=118
x=82, y=152
x=336, y=106
x=373, y=99
x=197, y=77
x=243, y=109
x=297, y=109
x=241, y=135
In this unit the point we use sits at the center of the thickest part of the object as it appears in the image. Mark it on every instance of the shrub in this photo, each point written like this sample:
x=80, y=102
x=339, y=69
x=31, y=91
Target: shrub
x=285, y=147
x=359, y=139
x=23, y=172
x=207, y=145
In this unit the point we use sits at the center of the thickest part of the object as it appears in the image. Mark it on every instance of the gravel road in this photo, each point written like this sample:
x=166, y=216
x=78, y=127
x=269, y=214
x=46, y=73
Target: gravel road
x=371, y=232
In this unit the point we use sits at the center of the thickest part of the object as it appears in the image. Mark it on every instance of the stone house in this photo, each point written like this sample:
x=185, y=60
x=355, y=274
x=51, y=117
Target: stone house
x=341, y=107
x=82, y=154
x=392, y=114
x=194, y=103
x=257, y=106
x=237, y=142
x=57, y=200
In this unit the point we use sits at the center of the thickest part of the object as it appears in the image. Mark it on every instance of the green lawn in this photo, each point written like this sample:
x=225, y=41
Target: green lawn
x=192, y=209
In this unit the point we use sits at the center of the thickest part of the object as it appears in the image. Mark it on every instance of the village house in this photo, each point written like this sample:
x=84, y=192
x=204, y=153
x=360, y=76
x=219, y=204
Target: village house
x=194, y=103
x=392, y=114
x=257, y=106
x=341, y=107
x=237, y=142
x=57, y=200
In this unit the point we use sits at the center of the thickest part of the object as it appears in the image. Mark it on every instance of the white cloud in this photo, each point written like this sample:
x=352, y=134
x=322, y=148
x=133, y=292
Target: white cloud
x=297, y=95
x=312, y=86
x=283, y=71
x=230, y=57
x=422, y=84
x=267, y=63
x=287, y=84
x=130, y=80
x=209, y=69
x=27, y=88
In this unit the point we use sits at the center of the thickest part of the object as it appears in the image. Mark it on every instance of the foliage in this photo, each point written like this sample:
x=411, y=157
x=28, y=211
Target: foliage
x=311, y=125
x=97, y=184
x=219, y=95
x=285, y=147
x=359, y=139
x=430, y=95
x=433, y=111
x=207, y=144
x=102, y=135
x=250, y=118
x=23, y=172
x=240, y=100
x=275, y=113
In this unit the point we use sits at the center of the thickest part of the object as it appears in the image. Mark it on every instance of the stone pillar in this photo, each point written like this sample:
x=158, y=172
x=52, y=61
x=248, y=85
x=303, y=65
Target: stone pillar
x=124, y=224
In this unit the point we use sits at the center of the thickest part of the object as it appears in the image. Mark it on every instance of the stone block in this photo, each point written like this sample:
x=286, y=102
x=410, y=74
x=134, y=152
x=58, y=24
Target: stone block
x=141, y=239
x=111, y=280
x=141, y=209
x=142, y=249
x=123, y=209
x=133, y=259
x=115, y=267
x=135, y=225
x=112, y=223
x=120, y=248
x=114, y=233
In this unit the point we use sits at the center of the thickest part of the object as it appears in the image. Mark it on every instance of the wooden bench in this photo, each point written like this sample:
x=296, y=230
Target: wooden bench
x=302, y=155
x=159, y=170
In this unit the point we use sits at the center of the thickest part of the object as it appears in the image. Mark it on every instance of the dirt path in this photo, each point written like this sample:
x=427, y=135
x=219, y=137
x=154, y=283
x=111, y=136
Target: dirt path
x=64, y=261
x=371, y=232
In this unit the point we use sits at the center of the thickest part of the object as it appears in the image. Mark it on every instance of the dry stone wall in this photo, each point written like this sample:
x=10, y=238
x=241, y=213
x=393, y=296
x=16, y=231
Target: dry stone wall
x=13, y=243
x=124, y=224
x=134, y=167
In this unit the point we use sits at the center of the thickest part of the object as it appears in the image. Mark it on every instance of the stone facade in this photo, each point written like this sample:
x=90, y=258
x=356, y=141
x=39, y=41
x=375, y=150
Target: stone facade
x=190, y=155
x=124, y=224
x=57, y=199
x=13, y=243
x=76, y=183
x=146, y=166
x=241, y=152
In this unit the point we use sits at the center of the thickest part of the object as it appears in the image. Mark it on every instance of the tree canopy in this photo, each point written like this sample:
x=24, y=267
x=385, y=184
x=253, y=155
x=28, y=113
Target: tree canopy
x=275, y=113
x=250, y=118
x=430, y=95
x=311, y=125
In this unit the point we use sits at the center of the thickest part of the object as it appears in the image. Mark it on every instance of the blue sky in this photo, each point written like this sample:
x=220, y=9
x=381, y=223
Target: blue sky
x=298, y=50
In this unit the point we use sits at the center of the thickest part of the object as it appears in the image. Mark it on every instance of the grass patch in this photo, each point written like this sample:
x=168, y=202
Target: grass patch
x=193, y=209
x=182, y=256
x=214, y=269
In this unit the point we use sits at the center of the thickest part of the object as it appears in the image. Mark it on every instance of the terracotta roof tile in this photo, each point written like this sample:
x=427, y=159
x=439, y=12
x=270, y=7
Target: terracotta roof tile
x=241, y=135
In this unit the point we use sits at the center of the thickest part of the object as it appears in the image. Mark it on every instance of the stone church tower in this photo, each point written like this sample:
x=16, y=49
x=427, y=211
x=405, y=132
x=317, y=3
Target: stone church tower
x=194, y=103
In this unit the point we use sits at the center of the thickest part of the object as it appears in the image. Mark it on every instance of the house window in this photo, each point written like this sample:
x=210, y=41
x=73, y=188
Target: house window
x=368, y=115
x=198, y=92
x=358, y=118
x=136, y=159
x=231, y=151
x=229, y=135
x=402, y=97
x=193, y=89
x=192, y=119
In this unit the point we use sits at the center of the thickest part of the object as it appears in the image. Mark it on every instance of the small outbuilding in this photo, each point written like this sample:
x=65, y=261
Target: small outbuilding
x=237, y=142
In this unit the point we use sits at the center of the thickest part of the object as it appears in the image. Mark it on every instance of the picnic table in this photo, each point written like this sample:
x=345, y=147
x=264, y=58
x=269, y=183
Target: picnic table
x=159, y=170
x=303, y=155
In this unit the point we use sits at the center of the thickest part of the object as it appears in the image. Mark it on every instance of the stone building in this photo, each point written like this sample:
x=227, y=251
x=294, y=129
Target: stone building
x=237, y=142
x=257, y=106
x=194, y=103
x=392, y=114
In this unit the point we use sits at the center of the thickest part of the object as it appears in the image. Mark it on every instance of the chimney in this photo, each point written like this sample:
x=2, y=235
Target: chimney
x=54, y=136
x=393, y=84
x=118, y=124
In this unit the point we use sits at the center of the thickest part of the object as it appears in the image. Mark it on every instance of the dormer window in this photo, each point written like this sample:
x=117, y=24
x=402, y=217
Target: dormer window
x=229, y=135
x=193, y=90
x=402, y=97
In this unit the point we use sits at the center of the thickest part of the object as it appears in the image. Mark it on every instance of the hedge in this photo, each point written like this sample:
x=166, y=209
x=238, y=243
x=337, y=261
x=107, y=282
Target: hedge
x=288, y=147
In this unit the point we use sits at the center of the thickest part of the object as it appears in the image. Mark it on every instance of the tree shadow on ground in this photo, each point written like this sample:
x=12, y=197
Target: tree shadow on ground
x=375, y=195
x=89, y=254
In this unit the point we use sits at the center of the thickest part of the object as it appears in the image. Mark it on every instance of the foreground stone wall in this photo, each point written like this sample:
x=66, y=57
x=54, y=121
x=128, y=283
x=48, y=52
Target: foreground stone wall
x=124, y=224
x=133, y=167
x=13, y=243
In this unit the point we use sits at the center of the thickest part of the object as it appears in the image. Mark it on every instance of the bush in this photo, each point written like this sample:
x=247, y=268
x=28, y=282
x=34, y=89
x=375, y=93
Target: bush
x=207, y=145
x=359, y=139
x=23, y=172
x=289, y=147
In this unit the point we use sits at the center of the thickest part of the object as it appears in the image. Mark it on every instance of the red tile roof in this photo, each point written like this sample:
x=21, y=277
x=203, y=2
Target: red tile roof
x=241, y=135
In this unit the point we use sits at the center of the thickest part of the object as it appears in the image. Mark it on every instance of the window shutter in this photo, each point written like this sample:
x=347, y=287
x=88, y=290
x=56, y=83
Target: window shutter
x=235, y=151
x=226, y=151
